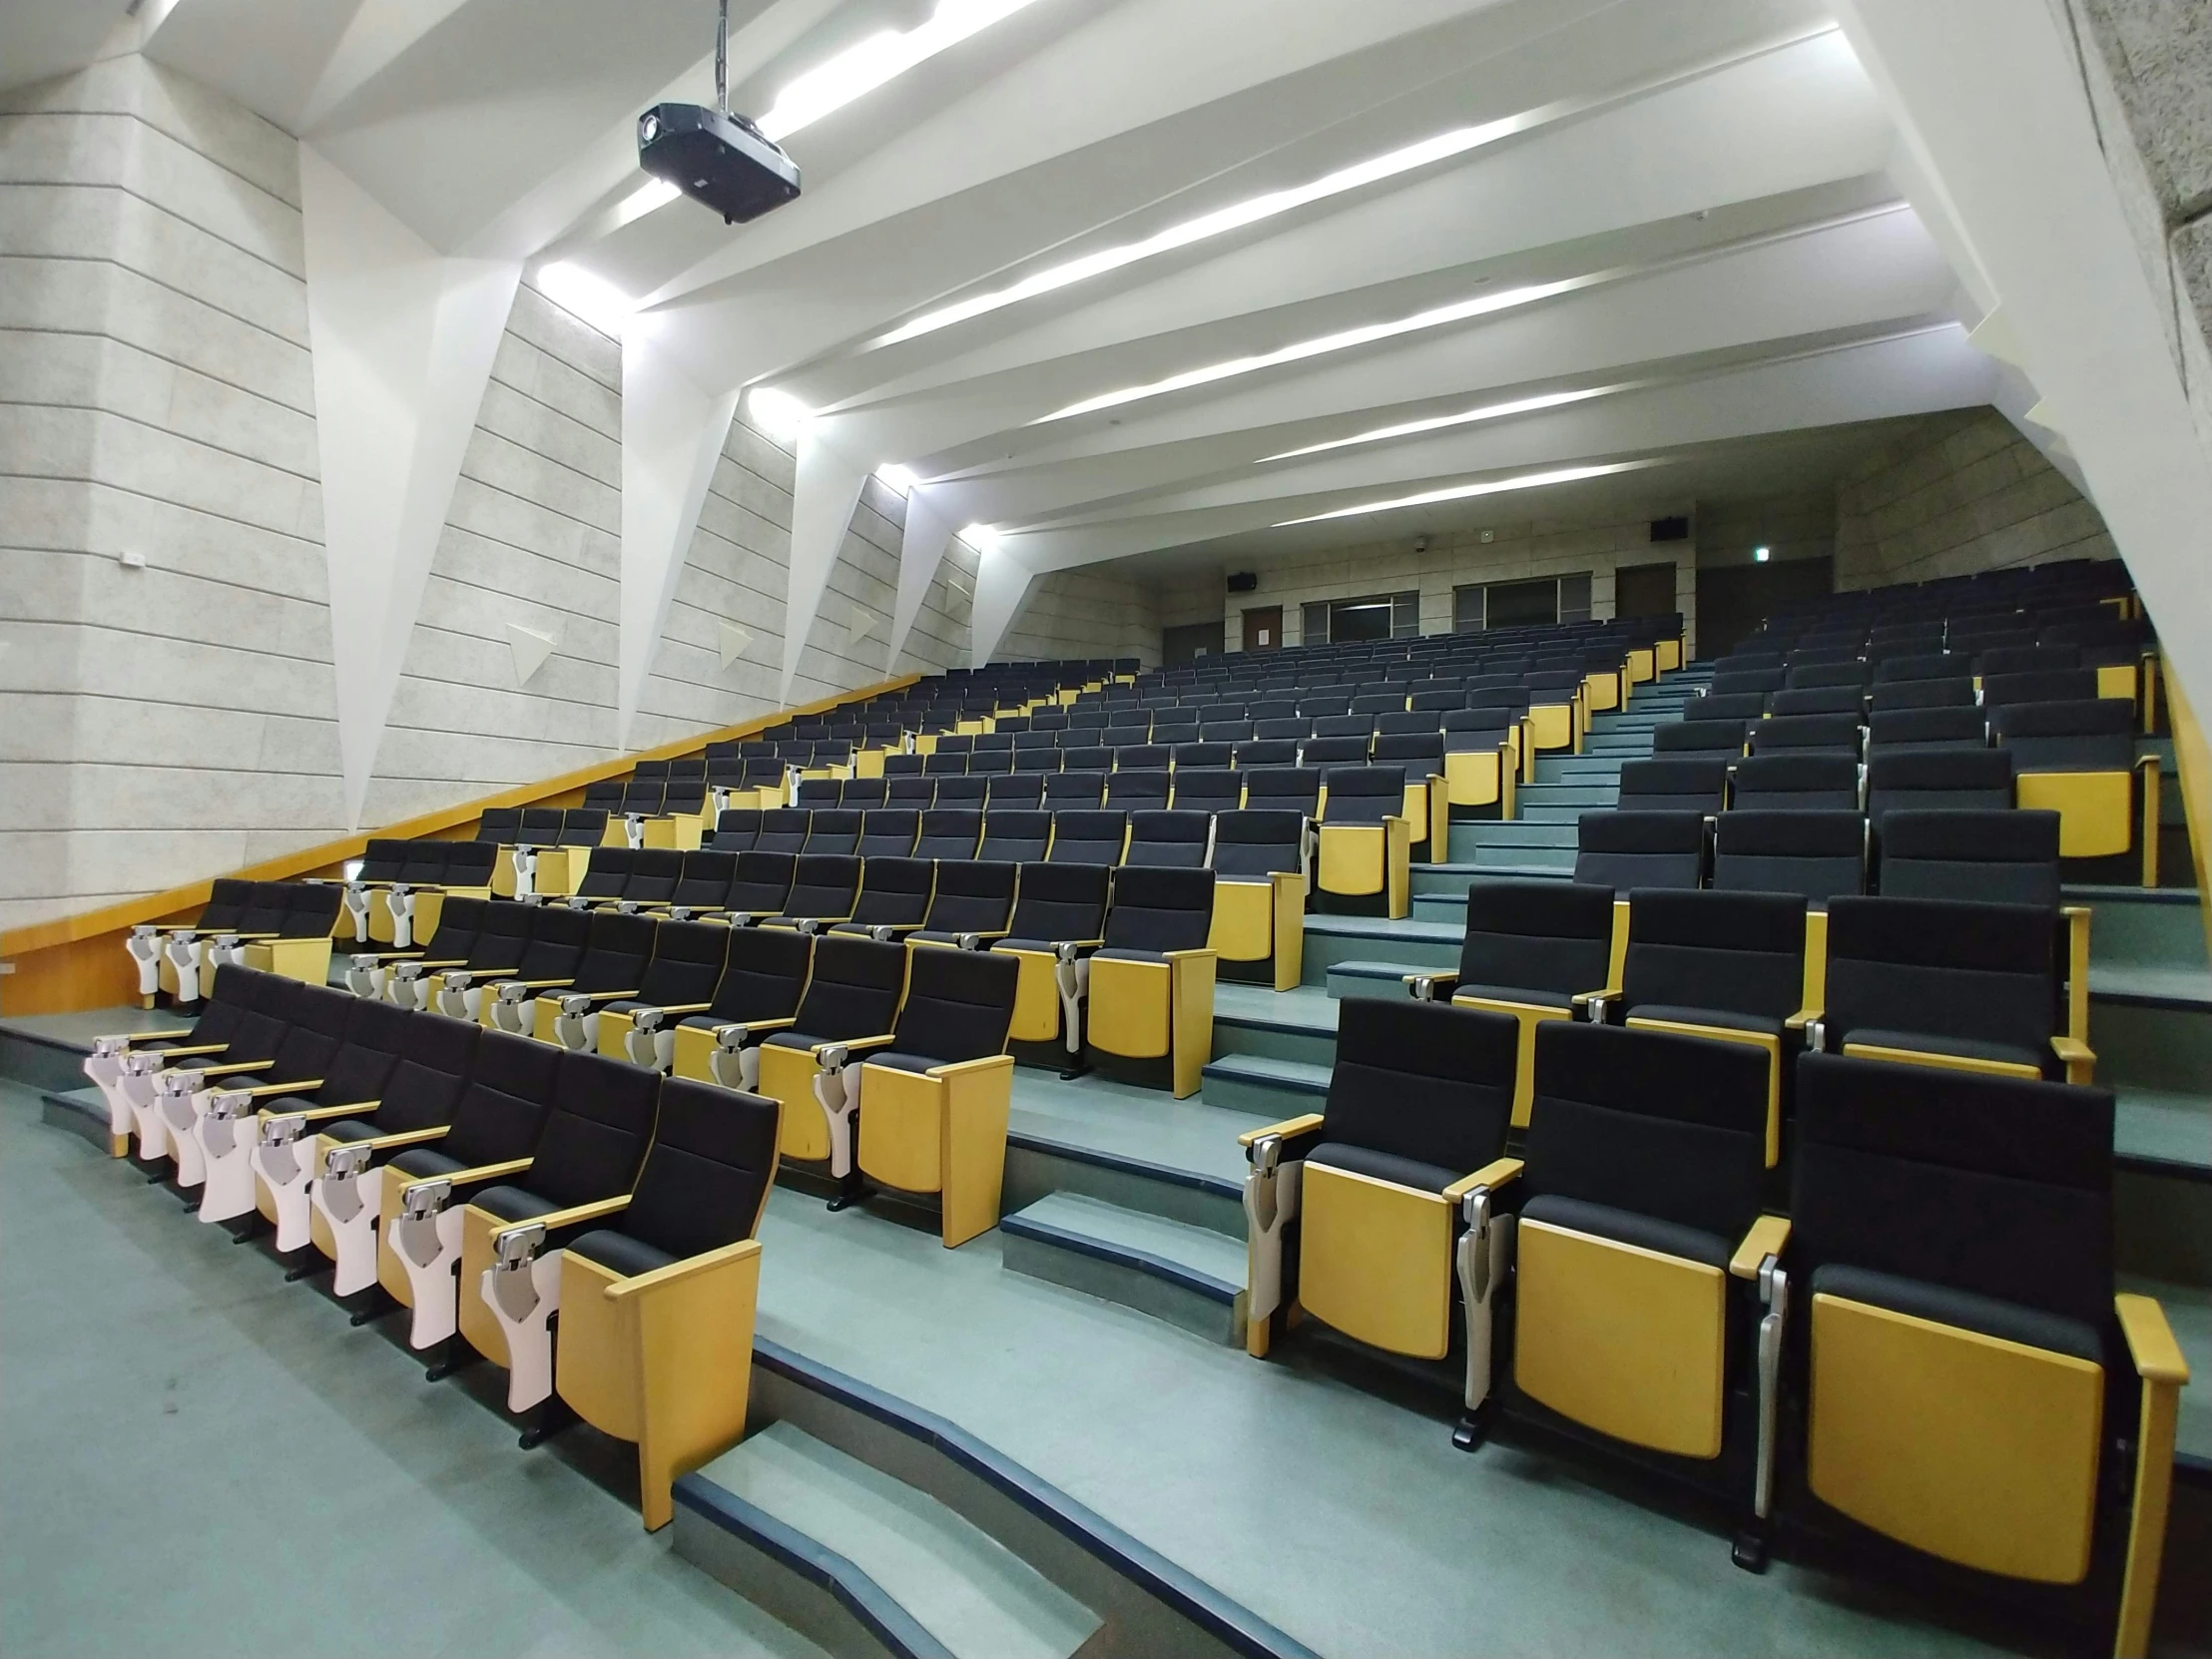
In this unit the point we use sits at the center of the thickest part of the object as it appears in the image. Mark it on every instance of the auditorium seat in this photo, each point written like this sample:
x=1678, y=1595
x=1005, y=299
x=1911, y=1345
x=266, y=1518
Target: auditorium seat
x=1395, y=1180
x=1180, y=840
x=784, y=830
x=1536, y=951
x=1957, y=984
x=893, y=898
x=1015, y=838
x=737, y=830
x=970, y=905
x=1150, y=987
x=1366, y=838
x=168, y=954
x=823, y=889
x=1088, y=838
x=1209, y=790
x=290, y=1048
x=656, y=1298
x=852, y=1000
x=1814, y=855
x=1794, y=781
x=502, y=946
x=1626, y=850
x=935, y=1098
x=759, y=887
x=1647, y=1310
x=1931, y=779
x=1700, y=737
x=2078, y=760
x=1482, y=758
x=951, y=834
x=1973, y=1386
x=1260, y=867
x=1807, y=735
x=1677, y=784
x=246, y=1015
x=680, y=980
x=564, y=1010
x=1996, y=857
x=763, y=978
x=1727, y=967
x=1059, y=916
x=374, y=973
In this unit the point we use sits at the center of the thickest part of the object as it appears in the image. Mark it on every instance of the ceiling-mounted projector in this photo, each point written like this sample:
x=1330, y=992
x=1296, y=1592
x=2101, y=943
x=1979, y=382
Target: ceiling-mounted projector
x=720, y=160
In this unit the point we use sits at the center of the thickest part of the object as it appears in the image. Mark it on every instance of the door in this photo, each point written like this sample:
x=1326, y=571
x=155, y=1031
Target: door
x=1264, y=628
x=1644, y=590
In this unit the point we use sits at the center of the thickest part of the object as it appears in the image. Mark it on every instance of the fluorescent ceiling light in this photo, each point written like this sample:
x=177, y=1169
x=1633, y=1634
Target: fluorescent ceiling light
x=778, y=413
x=881, y=57
x=1343, y=340
x=1374, y=171
x=898, y=477
x=653, y=193
x=982, y=537
x=1492, y=486
x=1487, y=411
x=594, y=298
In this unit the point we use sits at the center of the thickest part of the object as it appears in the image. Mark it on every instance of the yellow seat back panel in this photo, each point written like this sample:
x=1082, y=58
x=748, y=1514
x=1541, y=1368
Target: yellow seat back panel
x=1353, y=858
x=1975, y=1450
x=902, y=1128
x=693, y=1045
x=1622, y=1339
x=1243, y=921
x=788, y=1078
x=2096, y=809
x=1130, y=1013
x=596, y=1361
x=1375, y=1261
x=1037, y=997
x=1472, y=777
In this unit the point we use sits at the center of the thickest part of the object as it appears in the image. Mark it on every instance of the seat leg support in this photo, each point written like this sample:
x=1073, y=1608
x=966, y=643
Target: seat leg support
x=524, y=1297
x=1483, y=1258
x=1271, y=1198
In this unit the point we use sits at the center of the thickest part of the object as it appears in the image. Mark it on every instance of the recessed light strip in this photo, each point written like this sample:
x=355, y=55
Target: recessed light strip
x=881, y=57
x=1491, y=486
x=1465, y=418
x=1343, y=340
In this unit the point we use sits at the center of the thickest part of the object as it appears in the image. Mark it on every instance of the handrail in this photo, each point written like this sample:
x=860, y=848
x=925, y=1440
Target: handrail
x=44, y=935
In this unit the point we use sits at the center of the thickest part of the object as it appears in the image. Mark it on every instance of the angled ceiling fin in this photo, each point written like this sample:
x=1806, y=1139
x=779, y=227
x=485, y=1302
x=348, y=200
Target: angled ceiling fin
x=921, y=546
x=531, y=648
x=1001, y=584
x=827, y=490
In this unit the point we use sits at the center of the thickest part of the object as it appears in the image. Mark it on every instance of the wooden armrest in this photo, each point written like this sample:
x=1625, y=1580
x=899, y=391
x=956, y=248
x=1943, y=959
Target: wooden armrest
x=259, y=1089
x=485, y=976
x=234, y=1067
x=2070, y=1049
x=1188, y=956
x=1304, y=1124
x=474, y=1177
x=575, y=1214
x=442, y=962
x=143, y=1036
x=1493, y=1174
x=1582, y=999
x=2150, y=1339
x=604, y=996
x=316, y=1114
x=1767, y=1237
x=406, y=1138
x=853, y=1045
x=681, y=1008
x=760, y=1024
x=1445, y=981
x=962, y=1068
x=1801, y=1019
x=675, y=1271
x=539, y=984
x=196, y=1048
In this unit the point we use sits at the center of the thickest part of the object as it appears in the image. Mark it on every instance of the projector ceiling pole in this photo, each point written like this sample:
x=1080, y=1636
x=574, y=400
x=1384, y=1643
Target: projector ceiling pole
x=722, y=58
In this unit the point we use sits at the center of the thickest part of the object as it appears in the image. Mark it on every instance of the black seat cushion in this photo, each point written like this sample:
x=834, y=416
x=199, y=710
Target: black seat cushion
x=793, y=1039
x=1517, y=993
x=618, y=1253
x=1115, y=953
x=352, y=1129
x=2008, y=1320
x=423, y=1162
x=903, y=1062
x=513, y=1203
x=1668, y=1238
x=1384, y=1166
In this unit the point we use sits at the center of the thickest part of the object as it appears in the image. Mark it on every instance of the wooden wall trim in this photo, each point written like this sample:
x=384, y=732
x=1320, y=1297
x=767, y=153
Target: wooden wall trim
x=175, y=902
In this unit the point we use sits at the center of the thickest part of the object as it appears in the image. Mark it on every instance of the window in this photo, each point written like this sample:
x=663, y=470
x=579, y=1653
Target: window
x=1466, y=608
x=1574, y=598
x=1545, y=599
x=1376, y=616
x=1312, y=622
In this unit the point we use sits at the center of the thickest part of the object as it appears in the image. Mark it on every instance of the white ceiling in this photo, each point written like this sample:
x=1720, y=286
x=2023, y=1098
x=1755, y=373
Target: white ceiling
x=1710, y=180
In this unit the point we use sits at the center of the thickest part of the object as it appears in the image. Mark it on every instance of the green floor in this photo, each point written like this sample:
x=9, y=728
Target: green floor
x=223, y=1464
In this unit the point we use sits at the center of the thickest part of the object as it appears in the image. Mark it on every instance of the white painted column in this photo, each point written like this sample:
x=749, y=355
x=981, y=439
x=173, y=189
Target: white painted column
x=928, y=533
x=826, y=490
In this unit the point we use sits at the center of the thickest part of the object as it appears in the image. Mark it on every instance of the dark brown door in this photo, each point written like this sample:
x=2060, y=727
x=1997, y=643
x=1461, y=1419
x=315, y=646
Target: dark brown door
x=1264, y=628
x=1644, y=590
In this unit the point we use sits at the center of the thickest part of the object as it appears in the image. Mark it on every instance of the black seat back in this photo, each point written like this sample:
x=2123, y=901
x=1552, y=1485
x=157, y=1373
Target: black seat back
x=1059, y=902
x=761, y=883
x=959, y=1005
x=1175, y=840
x=1981, y=974
x=1995, y=858
x=502, y=1107
x=1796, y=781
x=1726, y=953
x=764, y=975
x=824, y=887
x=1014, y=837
x=1640, y=850
x=854, y=990
x=597, y=1131
x=1816, y=855
x=1088, y=838
x=1674, y=783
x=1421, y=1081
x=971, y=896
x=1160, y=910
x=616, y=950
x=1255, y=842
x=706, y=1178
x=1938, y=777
x=1552, y=936
x=686, y=965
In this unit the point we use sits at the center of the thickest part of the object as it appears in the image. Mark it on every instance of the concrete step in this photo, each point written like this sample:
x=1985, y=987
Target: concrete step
x=1188, y=1276
x=1296, y=1025
x=1583, y=769
x=1269, y=1089
x=930, y=1570
x=1579, y=793
x=1333, y=939
x=1452, y=879
x=1549, y=813
x=2143, y=927
x=1375, y=977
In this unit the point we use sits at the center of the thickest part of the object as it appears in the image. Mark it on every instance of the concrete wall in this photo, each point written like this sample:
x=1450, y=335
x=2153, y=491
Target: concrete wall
x=1541, y=547
x=163, y=723
x=1790, y=527
x=1089, y=612
x=1975, y=497
x=176, y=720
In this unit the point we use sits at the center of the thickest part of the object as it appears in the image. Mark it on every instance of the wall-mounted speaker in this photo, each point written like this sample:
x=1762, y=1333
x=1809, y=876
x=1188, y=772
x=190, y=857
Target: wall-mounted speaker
x=1244, y=581
x=1670, y=529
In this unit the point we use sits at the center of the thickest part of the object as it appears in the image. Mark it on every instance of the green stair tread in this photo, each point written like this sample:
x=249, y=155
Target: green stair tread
x=968, y=1591
x=2190, y=987
x=1302, y=1007
x=1198, y=1250
x=1385, y=927
x=2162, y=1126
x=1264, y=1071
x=1098, y=1115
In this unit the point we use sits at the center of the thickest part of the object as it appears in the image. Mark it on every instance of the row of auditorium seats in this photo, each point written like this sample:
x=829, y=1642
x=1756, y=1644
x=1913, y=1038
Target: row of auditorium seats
x=1928, y=1349
x=278, y=926
x=607, y=972
x=1996, y=855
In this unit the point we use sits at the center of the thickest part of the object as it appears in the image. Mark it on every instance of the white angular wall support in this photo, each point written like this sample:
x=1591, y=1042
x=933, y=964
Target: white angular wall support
x=826, y=491
x=402, y=341
x=921, y=546
x=1987, y=92
x=531, y=648
x=672, y=439
x=1001, y=584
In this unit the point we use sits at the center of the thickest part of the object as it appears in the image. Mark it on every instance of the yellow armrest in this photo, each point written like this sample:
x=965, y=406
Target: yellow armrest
x=406, y=1138
x=574, y=1214
x=1801, y=1019
x=197, y=1048
x=143, y=1036
x=1767, y=1237
x=962, y=1068
x=315, y=1114
x=2150, y=1339
x=233, y=1067
x=682, y=1270
x=1186, y=955
x=600, y=996
x=259, y=1089
x=1493, y=1174
x=471, y=1177
x=1582, y=999
x=1303, y=1122
x=539, y=984
x=763, y=1024
x=851, y=1044
x=1445, y=981
x=685, y=1007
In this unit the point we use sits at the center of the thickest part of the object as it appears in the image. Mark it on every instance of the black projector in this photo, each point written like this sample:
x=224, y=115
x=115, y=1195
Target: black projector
x=719, y=161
